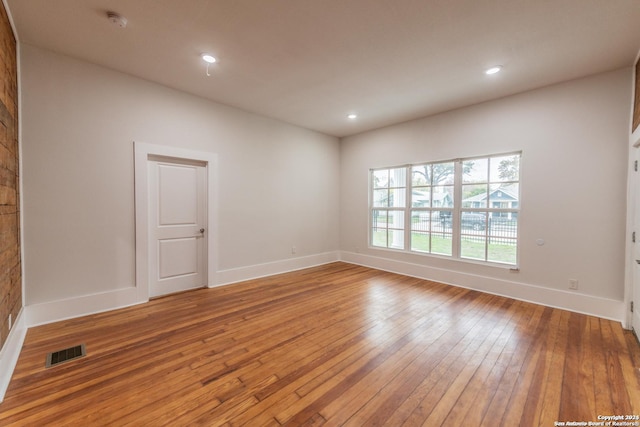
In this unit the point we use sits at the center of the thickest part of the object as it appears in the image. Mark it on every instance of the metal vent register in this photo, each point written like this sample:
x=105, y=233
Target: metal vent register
x=61, y=356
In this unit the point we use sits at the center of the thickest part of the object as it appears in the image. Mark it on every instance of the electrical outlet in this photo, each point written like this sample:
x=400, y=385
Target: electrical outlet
x=573, y=284
x=293, y=249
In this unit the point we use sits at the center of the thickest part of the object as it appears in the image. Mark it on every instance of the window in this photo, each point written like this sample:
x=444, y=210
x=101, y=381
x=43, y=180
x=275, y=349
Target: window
x=389, y=206
x=432, y=188
x=466, y=209
x=489, y=214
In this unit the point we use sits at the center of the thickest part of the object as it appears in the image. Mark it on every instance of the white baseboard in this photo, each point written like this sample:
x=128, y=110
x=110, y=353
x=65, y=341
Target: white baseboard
x=11, y=351
x=234, y=275
x=54, y=311
x=579, y=303
x=38, y=314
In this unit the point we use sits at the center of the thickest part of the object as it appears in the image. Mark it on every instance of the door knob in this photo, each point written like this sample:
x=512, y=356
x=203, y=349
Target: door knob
x=202, y=230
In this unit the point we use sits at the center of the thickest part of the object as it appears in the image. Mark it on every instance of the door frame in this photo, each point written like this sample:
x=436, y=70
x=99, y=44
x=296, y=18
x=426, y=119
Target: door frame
x=633, y=190
x=142, y=153
x=631, y=292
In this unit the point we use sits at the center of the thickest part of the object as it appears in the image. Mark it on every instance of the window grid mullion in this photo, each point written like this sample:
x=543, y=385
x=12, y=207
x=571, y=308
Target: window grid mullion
x=407, y=209
x=455, y=214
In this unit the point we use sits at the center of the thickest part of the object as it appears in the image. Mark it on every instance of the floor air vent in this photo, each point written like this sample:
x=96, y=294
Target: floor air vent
x=65, y=355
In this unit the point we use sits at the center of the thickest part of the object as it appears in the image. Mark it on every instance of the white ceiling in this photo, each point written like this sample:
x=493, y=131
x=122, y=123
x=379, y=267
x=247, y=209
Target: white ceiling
x=311, y=62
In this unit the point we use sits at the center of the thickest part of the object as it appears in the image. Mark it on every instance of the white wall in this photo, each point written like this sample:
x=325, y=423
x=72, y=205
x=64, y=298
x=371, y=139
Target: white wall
x=278, y=183
x=574, y=139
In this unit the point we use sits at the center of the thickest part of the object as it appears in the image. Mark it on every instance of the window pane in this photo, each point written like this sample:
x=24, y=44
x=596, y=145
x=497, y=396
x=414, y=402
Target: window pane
x=421, y=175
x=379, y=218
x=445, y=220
x=398, y=177
x=420, y=220
x=505, y=168
x=503, y=253
x=381, y=178
x=396, y=239
x=474, y=223
x=396, y=219
x=443, y=173
x=379, y=238
x=475, y=171
x=379, y=228
x=472, y=247
x=397, y=198
x=380, y=198
x=442, y=243
x=421, y=197
x=431, y=237
x=443, y=196
x=420, y=242
x=502, y=240
x=507, y=193
x=503, y=225
x=474, y=196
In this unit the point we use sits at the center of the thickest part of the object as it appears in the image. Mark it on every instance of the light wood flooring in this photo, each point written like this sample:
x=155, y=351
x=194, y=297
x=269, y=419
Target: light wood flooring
x=337, y=345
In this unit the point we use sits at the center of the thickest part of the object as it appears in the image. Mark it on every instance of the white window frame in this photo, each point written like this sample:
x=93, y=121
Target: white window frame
x=430, y=210
x=388, y=209
x=456, y=213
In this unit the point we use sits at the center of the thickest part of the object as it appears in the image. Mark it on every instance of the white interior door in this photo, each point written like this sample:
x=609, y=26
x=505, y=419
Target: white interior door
x=635, y=316
x=177, y=225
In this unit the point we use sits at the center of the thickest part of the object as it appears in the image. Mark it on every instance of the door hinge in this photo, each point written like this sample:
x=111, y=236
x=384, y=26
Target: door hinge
x=631, y=306
x=633, y=237
x=635, y=166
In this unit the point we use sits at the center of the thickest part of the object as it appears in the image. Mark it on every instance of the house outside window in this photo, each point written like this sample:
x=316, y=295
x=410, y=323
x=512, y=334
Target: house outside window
x=464, y=209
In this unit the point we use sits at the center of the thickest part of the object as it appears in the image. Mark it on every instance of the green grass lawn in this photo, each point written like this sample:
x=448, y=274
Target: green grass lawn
x=497, y=252
x=440, y=244
x=472, y=247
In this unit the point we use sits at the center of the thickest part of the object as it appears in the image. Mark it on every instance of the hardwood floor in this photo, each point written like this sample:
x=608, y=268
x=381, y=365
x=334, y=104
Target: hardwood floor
x=337, y=345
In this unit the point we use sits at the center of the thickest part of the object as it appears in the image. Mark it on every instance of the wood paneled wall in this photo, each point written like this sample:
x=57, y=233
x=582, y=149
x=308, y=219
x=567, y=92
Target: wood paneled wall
x=10, y=269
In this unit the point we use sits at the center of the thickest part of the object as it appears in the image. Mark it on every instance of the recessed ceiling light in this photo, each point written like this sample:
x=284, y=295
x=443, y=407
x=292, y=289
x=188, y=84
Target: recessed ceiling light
x=209, y=59
x=352, y=116
x=493, y=70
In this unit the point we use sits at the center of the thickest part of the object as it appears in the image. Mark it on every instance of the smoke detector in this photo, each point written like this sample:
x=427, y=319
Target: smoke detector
x=117, y=19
